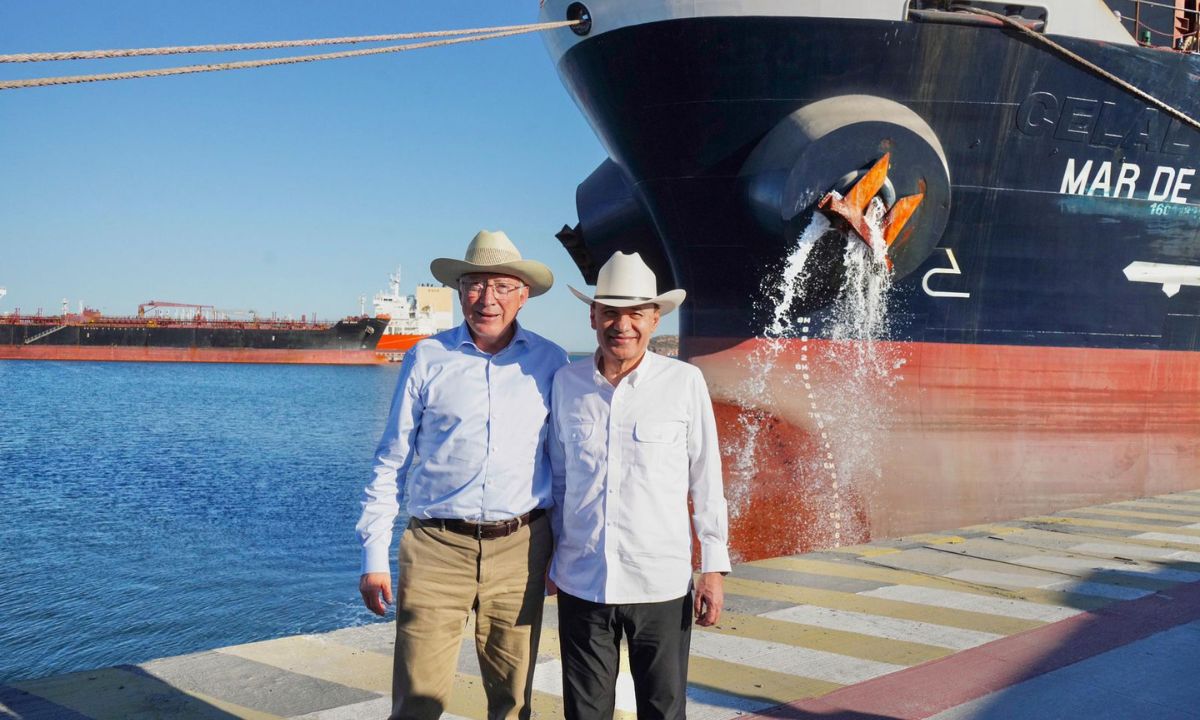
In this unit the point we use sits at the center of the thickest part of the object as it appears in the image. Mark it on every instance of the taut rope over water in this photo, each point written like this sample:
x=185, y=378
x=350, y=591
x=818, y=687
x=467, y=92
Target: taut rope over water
x=472, y=35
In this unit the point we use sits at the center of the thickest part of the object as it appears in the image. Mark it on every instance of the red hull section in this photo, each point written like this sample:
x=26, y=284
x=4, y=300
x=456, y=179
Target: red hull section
x=118, y=353
x=960, y=434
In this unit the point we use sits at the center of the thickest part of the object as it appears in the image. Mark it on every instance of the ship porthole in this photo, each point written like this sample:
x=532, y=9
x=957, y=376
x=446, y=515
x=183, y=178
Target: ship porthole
x=578, y=11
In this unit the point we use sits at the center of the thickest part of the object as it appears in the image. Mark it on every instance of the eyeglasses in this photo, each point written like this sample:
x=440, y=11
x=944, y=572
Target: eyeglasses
x=475, y=288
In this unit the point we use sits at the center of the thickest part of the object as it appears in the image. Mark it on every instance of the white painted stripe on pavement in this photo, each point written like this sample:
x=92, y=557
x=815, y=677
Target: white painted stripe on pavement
x=548, y=678
x=702, y=703
x=1136, y=552
x=1054, y=562
x=788, y=659
x=954, y=600
x=1079, y=587
x=1193, y=526
x=1169, y=537
x=884, y=627
x=377, y=708
x=1002, y=579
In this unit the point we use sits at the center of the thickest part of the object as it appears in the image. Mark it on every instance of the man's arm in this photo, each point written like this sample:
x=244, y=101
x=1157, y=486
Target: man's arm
x=376, y=591
x=380, y=503
x=710, y=516
x=558, y=476
x=710, y=598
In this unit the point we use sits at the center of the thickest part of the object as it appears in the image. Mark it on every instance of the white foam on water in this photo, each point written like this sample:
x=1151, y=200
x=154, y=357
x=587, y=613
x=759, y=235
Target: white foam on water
x=755, y=390
x=849, y=404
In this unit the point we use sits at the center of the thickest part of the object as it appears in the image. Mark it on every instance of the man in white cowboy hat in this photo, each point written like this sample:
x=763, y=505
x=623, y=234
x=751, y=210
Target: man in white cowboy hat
x=465, y=439
x=633, y=438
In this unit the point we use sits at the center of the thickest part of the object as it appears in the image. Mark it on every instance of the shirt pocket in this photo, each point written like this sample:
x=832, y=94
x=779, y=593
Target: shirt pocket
x=582, y=450
x=660, y=446
x=658, y=432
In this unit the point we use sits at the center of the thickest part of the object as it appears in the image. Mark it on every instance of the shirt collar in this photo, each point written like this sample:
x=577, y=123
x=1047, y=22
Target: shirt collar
x=462, y=336
x=644, y=369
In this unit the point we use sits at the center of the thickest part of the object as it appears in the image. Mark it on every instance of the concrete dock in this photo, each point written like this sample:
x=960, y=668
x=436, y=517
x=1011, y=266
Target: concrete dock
x=1089, y=613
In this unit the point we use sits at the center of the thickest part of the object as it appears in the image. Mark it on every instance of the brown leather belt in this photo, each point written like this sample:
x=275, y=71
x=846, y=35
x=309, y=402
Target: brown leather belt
x=483, y=530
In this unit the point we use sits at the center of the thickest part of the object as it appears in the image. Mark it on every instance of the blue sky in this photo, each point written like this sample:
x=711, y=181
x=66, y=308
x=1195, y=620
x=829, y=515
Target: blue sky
x=293, y=189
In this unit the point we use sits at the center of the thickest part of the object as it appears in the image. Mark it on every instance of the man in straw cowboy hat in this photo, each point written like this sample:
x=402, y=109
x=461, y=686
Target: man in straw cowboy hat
x=466, y=440
x=633, y=438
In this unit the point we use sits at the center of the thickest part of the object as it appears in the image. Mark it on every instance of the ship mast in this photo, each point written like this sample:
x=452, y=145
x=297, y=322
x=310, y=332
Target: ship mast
x=395, y=281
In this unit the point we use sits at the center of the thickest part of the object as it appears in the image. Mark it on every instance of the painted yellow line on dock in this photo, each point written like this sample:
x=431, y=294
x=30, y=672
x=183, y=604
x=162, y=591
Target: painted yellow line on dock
x=865, y=647
x=1083, y=537
x=964, y=619
x=119, y=694
x=1110, y=524
x=1191, y=510
x=933, y=539
x=866, y=550
x=317, y=657
x=905, y=577
x=749, y=682
x=1138, y=514
x=994, y=529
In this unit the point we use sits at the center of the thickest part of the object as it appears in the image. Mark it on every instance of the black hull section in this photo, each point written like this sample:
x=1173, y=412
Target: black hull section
x=1042, y=264
x=345, y=335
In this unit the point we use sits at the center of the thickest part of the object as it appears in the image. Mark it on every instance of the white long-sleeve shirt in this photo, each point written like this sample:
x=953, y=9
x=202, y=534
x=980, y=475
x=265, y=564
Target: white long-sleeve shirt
x=465, y=436
x=625, y=460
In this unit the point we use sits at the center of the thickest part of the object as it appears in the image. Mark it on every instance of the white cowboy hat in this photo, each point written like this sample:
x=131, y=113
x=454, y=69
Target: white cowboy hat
x=625, y=281
x=493, y=252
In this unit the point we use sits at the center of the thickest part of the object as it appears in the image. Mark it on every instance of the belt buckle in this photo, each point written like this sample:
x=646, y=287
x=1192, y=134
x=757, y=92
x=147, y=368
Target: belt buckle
x=478, y=531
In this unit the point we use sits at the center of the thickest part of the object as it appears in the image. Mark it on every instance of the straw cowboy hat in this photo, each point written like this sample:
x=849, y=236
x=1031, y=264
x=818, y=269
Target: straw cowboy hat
x=493, y=252
x=625, y=281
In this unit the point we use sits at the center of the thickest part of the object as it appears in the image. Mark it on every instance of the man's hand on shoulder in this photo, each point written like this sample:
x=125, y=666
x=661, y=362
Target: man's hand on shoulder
x=373, y=587
x=710, y=598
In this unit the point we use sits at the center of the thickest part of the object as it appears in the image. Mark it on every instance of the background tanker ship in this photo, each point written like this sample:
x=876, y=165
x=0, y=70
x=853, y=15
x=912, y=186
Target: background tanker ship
x=1002, y=319
x=179, y=332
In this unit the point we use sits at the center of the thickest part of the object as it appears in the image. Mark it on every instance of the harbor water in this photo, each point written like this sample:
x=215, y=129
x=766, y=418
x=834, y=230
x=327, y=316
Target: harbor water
x=153, y=509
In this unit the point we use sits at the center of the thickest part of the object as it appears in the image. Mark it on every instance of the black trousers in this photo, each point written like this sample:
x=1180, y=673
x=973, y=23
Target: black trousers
x=658, y=635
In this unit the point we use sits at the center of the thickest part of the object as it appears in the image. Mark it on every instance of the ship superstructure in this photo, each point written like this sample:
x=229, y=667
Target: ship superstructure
x=412, y=317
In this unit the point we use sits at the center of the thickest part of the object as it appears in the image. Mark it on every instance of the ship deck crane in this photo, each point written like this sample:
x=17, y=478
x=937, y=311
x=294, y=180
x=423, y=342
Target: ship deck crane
x=153, y=304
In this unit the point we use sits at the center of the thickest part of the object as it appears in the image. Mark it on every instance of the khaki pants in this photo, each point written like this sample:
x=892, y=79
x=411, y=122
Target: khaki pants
x=443, y=576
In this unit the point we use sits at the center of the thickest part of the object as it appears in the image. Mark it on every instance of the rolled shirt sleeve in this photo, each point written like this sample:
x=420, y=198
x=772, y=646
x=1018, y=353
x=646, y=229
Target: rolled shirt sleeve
x=710, y=516
x=393, y=457
x=558, y=473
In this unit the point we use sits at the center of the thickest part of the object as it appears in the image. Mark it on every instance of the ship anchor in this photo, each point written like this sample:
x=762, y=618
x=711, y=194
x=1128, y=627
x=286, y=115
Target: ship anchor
x=852, y=208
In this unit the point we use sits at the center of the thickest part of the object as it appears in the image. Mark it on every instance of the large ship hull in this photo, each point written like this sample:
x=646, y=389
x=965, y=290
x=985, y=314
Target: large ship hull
x=348, y=342
x=1044, y=331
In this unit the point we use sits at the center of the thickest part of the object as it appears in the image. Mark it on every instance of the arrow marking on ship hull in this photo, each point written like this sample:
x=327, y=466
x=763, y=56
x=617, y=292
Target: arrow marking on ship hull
x=1171, y=277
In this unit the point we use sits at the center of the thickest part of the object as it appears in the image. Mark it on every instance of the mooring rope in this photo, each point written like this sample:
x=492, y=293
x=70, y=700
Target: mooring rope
x=475, y=36
x=274, y=45
x=1170, y=110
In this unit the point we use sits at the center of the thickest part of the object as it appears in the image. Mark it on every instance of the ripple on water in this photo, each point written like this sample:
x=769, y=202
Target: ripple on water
x=157, y=509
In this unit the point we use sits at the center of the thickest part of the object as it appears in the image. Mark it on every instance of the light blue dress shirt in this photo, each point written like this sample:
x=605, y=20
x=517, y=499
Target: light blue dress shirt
x=466, y=436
